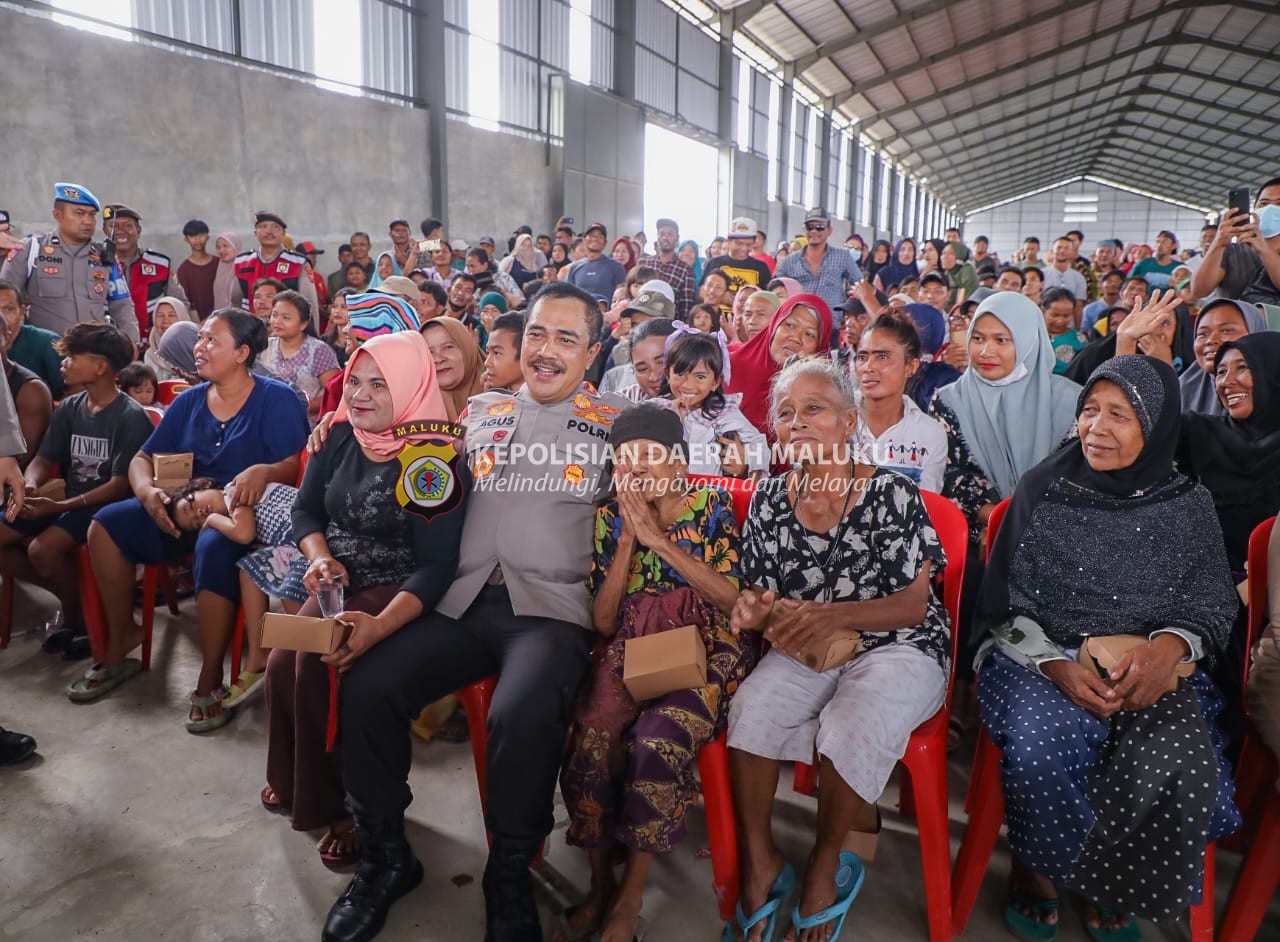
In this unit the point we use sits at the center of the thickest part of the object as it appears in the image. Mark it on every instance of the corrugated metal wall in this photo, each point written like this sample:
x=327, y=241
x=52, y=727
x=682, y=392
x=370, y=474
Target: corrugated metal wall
x=387, y=46
x=207, y=23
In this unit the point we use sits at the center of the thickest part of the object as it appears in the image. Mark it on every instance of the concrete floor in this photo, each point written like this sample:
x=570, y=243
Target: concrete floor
x=126, y=827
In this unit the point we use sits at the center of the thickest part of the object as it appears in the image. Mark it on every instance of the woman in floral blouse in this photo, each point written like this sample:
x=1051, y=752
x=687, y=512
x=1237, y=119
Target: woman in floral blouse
x=666, y=555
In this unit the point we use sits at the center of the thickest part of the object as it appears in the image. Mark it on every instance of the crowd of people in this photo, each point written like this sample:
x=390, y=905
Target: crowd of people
x=589, y=412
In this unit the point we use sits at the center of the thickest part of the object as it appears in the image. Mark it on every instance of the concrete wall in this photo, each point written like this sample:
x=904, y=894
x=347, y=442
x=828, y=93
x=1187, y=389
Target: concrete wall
x=176, y=136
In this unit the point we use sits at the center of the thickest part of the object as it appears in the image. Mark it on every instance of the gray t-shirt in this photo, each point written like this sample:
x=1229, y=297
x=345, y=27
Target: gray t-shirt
x=90, y=448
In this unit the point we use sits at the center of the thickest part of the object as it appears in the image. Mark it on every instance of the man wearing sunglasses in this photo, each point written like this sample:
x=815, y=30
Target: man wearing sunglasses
x=825, y=270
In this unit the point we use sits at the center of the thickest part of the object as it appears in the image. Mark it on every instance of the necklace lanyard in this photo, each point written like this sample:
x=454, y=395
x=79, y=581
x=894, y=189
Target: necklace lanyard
x=825, y=569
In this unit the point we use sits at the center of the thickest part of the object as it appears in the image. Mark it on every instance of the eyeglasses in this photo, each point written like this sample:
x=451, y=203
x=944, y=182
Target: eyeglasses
x=815, y=227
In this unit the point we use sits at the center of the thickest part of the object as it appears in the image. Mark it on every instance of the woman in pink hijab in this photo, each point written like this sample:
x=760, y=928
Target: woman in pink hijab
x=785, y=288
x=393, y=565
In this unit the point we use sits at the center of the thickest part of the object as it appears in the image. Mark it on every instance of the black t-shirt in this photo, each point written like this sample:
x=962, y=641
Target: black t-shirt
x=748, y=271
x=91, y=448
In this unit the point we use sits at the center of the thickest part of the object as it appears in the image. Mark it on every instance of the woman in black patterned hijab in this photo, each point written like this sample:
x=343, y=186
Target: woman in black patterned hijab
x=1113, y=784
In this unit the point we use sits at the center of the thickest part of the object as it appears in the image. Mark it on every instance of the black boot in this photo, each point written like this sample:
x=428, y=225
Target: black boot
x=387, y=871
x=511, y=912
x=15, y=747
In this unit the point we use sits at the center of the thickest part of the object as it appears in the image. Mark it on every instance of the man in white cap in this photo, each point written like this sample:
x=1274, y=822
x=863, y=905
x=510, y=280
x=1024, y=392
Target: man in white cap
x=738, y=267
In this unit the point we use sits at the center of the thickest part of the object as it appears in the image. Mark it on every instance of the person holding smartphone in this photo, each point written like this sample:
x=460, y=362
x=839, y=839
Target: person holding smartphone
x=1243, y=260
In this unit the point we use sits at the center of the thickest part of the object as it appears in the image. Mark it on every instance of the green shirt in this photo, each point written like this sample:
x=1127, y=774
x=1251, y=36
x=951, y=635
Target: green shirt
x=33, y=349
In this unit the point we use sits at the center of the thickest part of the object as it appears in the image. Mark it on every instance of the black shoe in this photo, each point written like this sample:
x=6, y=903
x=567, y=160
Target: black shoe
x=78, y=648
x=511, y=911
x=57, y=642
x=15, y=747
x=387, y=871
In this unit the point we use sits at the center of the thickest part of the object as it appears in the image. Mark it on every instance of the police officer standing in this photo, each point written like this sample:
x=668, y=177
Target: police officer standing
x=67, y=276
x=271, y=260
x=518, y=607
x=150, y=275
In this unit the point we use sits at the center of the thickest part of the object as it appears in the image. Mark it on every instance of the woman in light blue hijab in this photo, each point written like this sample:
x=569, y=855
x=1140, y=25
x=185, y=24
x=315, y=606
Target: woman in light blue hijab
x=1220, y=321
x=691, y=255
x=1008, y=410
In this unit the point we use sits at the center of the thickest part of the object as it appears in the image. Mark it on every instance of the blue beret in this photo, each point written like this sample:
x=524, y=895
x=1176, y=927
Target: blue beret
x=75, y=193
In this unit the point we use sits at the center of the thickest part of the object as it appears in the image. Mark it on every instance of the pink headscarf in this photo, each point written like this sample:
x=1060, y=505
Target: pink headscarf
x=793, y=287
x=407, y=368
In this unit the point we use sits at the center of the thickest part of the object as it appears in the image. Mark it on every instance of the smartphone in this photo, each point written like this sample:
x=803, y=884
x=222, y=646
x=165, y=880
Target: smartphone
x=428, y=245
x=568, y=221
x=1238, y=201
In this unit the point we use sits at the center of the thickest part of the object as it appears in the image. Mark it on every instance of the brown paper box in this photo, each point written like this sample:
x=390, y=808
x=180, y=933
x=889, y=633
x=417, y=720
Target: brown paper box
x=300, y=633
x=659, y=664
x=171, y=470
x=836, y=650
x=55, y=489
x=1102, y=654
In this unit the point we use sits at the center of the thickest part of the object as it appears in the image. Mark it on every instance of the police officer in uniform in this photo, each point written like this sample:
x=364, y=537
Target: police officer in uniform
x=149, y=274
x=271, y=260
x=518, y=607
x=71, y=279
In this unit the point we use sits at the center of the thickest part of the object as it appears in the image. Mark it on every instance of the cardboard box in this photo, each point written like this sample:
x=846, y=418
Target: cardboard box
x=172, y=470
x=55, y=489
x=1102, y=654
x=300, y=633
x=671, y=660
x=836, y=650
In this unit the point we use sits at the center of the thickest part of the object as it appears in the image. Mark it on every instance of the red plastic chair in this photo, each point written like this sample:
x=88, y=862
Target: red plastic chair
x=95, y=618
x=170, y=389
x=926, y=756
x=986, y=806
x=1256, y=771
x=154, y=413
x=713, y=758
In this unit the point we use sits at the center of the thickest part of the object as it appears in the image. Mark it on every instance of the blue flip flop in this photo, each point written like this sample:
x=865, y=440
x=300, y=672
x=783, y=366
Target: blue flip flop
x=849, y=879
x=779, y=893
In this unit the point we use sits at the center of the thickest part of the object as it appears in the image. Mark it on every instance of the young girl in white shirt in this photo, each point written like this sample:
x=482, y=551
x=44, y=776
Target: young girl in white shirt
x=721, y=440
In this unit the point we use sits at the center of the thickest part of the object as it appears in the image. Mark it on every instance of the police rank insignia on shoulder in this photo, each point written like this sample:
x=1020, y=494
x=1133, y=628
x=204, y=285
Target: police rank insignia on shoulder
x=504, y=407
x=429, y=482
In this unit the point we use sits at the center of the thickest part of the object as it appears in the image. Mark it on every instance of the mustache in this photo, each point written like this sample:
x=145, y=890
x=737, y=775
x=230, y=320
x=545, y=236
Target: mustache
x=543, y=364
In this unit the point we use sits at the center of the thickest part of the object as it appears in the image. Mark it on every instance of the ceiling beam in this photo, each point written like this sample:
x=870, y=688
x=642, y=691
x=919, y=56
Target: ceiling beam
x=1165, y=42
x=1060, y=124
x=941, y=144
x=1149, y=72
x=1014, y=28
x=1100, y=144
x=1070, y=160
x=1010, y=29
x=858, y=37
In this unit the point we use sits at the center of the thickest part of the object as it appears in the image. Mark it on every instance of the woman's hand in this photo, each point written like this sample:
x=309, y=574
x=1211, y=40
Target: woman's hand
x=1142, y=675
x=247, y=486
x=795, y=625
x=1083, y=687
x=1145, y=322
x=366, y=631
x=156, y=503
x=751, y=610
x=322, y=572
x=638, y=516
x=320, y=434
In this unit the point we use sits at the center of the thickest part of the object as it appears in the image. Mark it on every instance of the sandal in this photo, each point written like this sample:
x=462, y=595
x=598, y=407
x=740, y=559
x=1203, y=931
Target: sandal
x=209, y=723
x=782, y=889
x=1033, y=928
x=275, y=807
x=349, y=856
x=238, y=692
x=848, y=882
x=565, y=928
x=1129, y=932
x=99, y=681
